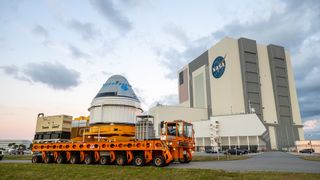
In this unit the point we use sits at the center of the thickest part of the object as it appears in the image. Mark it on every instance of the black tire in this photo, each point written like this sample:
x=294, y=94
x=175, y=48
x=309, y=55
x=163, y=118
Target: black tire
x=139, y=160
x=121, y=160
x=181, y=160
x=74, y=159
x=159, y=161
x=61, y=159
x=88, y=160
x=36, y=159
x=185, y=159
x=48, y=159
x=105, y=160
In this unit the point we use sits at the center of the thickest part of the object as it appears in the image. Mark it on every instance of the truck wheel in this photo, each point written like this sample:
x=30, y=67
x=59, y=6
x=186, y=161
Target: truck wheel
x=88, y=160
x=159, y=161
x=182, y=160
x=185, y=159
x=48, y=159
x=36, y=159
x=121, y=160
x=74, y=159
x=104, y=160
x=139, y=160
x=61, y=159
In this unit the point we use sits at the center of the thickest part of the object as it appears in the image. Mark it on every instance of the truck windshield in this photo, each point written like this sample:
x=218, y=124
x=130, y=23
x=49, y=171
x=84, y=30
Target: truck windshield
x=188, y=130
x=172, y=129
x=180, y=129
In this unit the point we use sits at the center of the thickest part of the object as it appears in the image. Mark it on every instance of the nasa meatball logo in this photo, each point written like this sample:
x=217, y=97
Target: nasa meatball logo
x=124, y=87
x=218, y=66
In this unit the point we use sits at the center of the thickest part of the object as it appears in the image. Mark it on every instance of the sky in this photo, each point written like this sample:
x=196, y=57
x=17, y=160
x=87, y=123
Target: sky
x=55, y=55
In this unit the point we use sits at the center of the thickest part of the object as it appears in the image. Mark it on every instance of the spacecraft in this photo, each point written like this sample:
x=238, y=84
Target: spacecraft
x=114, y=109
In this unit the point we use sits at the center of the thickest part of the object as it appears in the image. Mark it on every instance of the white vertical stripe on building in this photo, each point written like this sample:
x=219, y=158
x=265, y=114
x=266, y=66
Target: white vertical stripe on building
x=238, y=141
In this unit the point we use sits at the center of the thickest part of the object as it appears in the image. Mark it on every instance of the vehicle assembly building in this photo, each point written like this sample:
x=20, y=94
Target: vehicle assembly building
x=238, y=94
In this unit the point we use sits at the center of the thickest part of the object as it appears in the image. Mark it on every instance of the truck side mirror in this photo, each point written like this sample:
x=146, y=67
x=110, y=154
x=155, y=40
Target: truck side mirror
x=161, y=124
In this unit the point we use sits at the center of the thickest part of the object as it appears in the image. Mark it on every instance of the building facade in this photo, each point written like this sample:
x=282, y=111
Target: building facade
x=230, y=131
x=239, y=76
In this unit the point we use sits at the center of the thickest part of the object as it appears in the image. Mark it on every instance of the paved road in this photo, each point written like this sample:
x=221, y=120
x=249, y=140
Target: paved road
x=268, y=161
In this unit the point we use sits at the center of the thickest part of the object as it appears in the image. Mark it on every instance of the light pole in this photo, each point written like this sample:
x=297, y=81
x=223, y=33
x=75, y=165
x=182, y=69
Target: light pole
x=310, y=141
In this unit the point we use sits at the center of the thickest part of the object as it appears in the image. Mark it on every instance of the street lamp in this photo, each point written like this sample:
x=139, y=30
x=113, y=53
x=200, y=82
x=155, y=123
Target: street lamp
x=310, y=140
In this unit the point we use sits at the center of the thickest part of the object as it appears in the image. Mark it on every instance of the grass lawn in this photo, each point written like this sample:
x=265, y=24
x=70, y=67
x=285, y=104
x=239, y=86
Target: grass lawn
x=311, y=158
x=221, y=158
x=17, y=157
x=68, y=171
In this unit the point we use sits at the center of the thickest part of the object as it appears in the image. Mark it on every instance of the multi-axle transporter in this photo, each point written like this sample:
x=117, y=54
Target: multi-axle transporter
x=115, y=132
x=176, y=144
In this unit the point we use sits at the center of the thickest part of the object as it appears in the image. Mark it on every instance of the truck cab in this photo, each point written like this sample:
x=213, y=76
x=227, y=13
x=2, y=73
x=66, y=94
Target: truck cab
x=179, y=137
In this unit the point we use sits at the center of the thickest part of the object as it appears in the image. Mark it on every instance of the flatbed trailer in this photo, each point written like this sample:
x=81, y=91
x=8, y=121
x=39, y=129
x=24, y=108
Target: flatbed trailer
x=172, y=146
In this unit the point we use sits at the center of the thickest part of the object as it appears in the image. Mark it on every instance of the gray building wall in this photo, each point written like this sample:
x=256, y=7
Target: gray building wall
x=286, y=132
x=202, y=60
x=251, y=79
x=250, y=75
x=183, y=86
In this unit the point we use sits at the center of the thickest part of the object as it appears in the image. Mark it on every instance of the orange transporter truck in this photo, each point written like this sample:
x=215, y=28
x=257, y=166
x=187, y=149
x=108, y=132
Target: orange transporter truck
x=176, y=143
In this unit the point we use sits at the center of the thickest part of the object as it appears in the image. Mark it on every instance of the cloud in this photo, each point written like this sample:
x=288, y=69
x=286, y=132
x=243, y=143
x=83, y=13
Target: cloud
x=55, y=75
x=113, y=15
x=174, y=58
x=40, y=31
x=309, y=107
x=288, y=28
x=312, y=129
x=140, y=93
x=14, y=71
x=77, y=53
x=177, y=32
x=86, y=30
x=296, y=27
x=170, y=99
x=10, y=70
x=307, y=70
x=311, y=124
x=107, y=74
